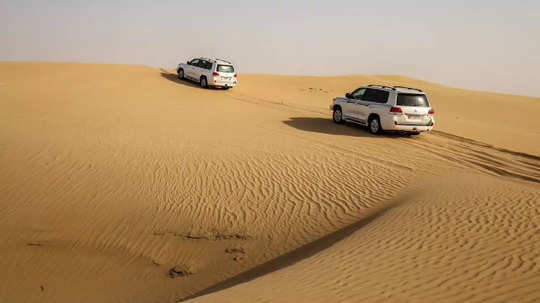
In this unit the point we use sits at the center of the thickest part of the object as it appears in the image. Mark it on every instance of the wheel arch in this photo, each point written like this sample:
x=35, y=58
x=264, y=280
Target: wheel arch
x=372, y=116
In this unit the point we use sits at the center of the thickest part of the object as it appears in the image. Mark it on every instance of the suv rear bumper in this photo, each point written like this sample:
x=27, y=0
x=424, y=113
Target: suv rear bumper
x=390, y=124
x=409, y=128
x=222, y=83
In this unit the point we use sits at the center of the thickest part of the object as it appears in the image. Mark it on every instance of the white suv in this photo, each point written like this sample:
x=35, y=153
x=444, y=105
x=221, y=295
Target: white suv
x=209, y=72
x=385, y=108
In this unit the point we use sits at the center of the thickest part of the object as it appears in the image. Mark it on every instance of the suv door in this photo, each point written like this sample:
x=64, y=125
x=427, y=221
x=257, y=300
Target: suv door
x=354, y=103
x=205, y=69
x=198, y=70
x=372, y=99
x=190, y=72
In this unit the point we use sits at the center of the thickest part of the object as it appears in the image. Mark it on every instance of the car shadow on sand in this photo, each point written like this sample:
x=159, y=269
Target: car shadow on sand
x=327, y=126
x=174, y=78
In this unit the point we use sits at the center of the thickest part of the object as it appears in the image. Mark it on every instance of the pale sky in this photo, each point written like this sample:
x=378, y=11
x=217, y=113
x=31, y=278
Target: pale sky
x=486, y=45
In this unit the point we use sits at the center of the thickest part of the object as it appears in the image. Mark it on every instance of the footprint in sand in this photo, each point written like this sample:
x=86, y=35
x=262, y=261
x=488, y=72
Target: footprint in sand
x=180, y=271
x=34, y=244
x=239, y=253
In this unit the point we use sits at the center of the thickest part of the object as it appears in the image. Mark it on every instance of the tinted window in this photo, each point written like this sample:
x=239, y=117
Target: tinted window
x=225, y=68
x=205, y=64
x=357, y=94
x=195, y=62
x=412, y=100
x=375, y=95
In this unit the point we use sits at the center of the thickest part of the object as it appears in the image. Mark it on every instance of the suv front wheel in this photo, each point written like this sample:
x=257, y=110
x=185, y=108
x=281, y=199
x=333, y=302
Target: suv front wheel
x=374, y=125
x=181, y=74
x=337, y=116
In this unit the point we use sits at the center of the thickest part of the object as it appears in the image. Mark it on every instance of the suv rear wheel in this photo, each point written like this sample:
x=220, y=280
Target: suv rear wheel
x=204, y=82
x=338, y=115
x=374, y=125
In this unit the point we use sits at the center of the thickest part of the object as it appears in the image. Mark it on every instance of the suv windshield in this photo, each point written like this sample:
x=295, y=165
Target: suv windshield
x=225, y=68
x=412, y=100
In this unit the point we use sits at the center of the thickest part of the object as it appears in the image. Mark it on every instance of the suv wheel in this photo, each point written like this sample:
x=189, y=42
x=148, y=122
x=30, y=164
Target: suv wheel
x=181, y=74
x=204, y=82
x=338, y=115
x=374, y=125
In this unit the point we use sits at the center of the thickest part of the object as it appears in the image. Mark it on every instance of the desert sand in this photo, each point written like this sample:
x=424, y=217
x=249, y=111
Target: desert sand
x=120, y=183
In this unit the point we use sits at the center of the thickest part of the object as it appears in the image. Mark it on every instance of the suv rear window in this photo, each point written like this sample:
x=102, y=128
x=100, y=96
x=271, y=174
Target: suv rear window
x=225, y=68
x=412, y=100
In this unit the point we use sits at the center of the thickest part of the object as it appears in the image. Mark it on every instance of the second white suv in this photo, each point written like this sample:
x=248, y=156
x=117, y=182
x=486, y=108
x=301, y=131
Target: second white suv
x=385, y=108
x=209, y=72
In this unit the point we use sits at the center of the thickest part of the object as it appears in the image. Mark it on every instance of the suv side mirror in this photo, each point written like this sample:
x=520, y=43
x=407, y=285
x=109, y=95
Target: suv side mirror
x=348, y=96
x=189, y=63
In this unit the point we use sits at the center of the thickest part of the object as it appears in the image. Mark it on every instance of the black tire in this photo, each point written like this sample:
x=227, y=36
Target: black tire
x=204, y=82
x=374, y=125
x=181, y=73
x=337, y=115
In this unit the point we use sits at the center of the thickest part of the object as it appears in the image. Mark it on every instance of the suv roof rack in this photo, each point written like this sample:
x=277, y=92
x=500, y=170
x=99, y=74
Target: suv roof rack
x=223, y=60
x=214, y=60
x=382, y=86
x=416, y=89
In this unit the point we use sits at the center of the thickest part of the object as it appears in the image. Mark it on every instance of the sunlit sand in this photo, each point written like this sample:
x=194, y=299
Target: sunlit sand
x=120, y=183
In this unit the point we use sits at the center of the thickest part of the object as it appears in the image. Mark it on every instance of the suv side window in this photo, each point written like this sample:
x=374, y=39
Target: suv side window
x=357, y=94
x=205, y=64
x=194, y=62
x=375, y=95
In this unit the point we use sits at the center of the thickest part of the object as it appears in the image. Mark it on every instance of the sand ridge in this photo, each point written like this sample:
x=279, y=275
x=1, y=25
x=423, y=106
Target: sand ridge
x=137, y=187
x=471, y=240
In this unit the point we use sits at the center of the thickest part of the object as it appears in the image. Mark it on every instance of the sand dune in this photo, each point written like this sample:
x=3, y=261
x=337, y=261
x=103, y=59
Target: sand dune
x=473, y=239
x=121, y=184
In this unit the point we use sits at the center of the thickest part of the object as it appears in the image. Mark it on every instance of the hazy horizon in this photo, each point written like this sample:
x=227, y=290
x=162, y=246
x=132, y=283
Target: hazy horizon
x=486, y=45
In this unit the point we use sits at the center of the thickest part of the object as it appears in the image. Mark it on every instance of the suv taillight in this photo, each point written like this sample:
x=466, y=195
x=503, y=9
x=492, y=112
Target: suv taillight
x=431, y=111
x=215, y=74
x=396, y=110
x=235, y=75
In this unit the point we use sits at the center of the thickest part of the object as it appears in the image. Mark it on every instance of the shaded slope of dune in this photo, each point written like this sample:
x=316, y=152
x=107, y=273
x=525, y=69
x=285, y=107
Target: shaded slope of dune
x=113, y=175
x=462, y=238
